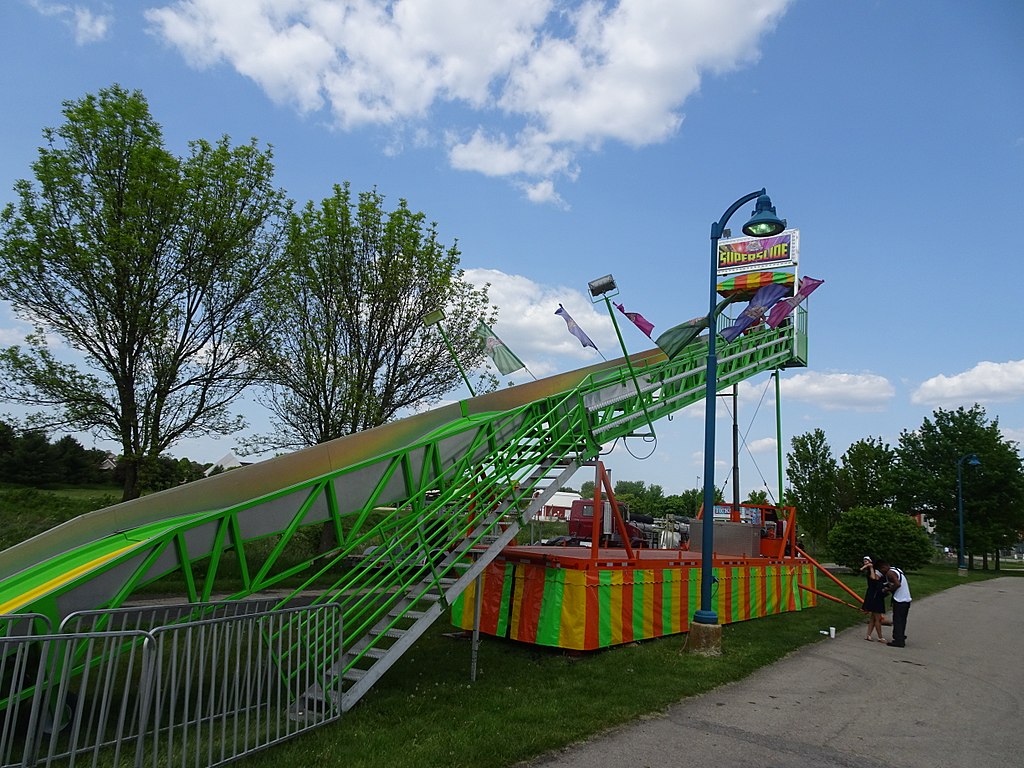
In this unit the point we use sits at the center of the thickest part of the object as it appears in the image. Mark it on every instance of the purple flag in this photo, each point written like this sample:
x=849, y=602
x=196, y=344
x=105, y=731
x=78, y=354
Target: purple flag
x=638, y=320
x=784, y=308
x=761, y=302
x=574, y=329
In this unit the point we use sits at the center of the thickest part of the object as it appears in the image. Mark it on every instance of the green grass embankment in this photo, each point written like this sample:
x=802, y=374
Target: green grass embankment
x=26, y=512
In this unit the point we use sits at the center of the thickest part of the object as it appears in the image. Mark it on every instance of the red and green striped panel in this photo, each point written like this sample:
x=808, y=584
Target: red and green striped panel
x=749, y=282
x=589, y=609
x=497, y=590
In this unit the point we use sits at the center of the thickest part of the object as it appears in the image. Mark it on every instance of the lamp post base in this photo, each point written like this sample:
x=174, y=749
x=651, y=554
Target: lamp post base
x=704, y=639
x=961, y=571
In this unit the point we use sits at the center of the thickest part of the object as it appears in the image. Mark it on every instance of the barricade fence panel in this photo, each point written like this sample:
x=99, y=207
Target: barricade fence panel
x=18, y=624
x=150, y=616
x=197, y=693
x=228, y=686
x=71, y=699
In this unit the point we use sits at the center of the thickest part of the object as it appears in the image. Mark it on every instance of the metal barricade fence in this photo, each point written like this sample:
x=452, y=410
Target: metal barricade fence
x=69, y=699
x=19, y=624
x=193, y=694
x=150, y=615
x=226, y=687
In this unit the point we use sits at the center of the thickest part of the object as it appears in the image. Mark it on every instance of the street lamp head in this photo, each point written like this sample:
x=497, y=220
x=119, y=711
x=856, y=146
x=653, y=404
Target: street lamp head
x=764, y=222
x=973, y=460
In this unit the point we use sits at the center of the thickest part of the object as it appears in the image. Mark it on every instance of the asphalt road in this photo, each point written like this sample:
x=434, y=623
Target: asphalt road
x=953, y=697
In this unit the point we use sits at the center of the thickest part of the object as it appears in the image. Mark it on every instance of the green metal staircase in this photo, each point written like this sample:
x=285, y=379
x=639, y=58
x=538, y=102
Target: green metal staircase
x=418, y=508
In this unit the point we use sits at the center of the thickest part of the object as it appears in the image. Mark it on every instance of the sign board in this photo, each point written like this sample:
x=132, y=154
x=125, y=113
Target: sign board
x=722, y=511
x=747, y=254
x=747, y=514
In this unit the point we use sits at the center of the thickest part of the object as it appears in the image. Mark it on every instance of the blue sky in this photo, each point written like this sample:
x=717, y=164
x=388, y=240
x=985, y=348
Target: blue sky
x=561, y=141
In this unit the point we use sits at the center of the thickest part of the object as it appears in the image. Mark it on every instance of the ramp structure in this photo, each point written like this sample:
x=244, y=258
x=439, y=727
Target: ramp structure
x=418, y=508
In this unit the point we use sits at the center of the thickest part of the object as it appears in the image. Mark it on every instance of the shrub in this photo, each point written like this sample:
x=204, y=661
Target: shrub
x=881, y=533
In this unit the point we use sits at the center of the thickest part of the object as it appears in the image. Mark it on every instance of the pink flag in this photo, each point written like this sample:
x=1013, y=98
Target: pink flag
x=638, y=320
x=784, y=308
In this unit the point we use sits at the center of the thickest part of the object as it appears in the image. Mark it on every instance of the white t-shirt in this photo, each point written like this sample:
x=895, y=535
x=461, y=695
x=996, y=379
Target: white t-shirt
x=902, y=592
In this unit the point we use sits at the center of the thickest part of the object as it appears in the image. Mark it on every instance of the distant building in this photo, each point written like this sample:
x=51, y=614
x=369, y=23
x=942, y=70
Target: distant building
x=229, y=461
x=109, y=463
x=558, y=506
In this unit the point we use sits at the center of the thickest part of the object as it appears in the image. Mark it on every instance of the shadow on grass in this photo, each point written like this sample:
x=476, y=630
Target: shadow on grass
x=529, y=700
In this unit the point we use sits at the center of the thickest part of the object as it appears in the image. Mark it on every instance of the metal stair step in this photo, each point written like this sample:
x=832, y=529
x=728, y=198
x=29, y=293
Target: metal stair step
x=354, y=674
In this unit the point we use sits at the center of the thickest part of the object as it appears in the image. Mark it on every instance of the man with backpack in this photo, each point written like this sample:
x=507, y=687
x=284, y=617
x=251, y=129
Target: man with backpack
x=897, y=586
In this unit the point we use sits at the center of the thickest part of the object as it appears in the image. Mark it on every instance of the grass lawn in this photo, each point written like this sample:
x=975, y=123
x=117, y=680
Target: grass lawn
x=26, y=512
x=528, y=700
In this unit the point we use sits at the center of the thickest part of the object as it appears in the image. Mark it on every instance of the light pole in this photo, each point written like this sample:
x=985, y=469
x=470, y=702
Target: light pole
x=763, y=223
x=974, y=461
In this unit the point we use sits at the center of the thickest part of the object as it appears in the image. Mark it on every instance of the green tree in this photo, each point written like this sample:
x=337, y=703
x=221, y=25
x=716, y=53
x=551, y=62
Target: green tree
x=347, y=349
x=993, y=493
x=690, y=501
x=757, y=497
x=148, y=266
x=679, y=506
x=866, y=477
x=642, y=499
x=29, y=458
x=32, y=460
x=77, y=466
x=882, y=534
x=813, y=480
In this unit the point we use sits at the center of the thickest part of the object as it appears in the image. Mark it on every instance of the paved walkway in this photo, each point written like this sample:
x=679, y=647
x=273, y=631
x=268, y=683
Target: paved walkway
x=952, y=697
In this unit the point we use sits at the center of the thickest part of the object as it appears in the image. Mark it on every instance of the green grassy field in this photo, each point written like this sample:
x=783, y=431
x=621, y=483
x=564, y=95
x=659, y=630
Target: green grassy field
x=25, y=512
x=528, y=700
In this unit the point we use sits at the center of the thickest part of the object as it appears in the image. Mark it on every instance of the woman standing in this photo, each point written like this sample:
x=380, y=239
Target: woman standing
x=874, y=599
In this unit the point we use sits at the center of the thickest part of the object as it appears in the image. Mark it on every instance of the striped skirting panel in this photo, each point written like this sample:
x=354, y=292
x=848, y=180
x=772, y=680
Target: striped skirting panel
x=594, y=608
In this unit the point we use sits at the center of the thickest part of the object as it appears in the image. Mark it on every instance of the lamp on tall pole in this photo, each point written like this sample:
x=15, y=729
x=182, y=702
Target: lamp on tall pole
x=973, y=460
x=763, y=223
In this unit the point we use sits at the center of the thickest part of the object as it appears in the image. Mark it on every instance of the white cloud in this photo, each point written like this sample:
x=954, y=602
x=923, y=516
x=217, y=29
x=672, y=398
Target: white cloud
x=12, y=336
x=544, y=81
x=984, y=383
x=839, y=391
x=88, y=27
x=767, y=445
x=544, y=192
x=497, y=156
x=527, y=322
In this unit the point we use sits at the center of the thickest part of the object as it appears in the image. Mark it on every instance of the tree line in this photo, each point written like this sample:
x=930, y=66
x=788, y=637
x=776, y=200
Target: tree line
x=846, y=506
x=651, y=500
x=160, y=289
x=28, y=457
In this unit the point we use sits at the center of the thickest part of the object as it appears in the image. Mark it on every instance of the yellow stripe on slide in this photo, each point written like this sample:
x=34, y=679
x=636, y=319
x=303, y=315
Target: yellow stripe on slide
x=13, y=605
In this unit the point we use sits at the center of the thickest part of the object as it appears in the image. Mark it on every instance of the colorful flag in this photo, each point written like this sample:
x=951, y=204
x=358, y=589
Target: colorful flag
x=504, y=359
x=638, y=320
x=784, y=308
x=676, y=338
x=574, y=329
x=762, y=301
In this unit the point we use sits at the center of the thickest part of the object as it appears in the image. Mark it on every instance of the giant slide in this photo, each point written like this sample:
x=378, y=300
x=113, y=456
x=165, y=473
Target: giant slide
x=411, y=511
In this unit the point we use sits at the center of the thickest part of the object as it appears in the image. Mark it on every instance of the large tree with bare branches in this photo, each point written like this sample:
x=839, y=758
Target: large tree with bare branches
x=147, y=267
